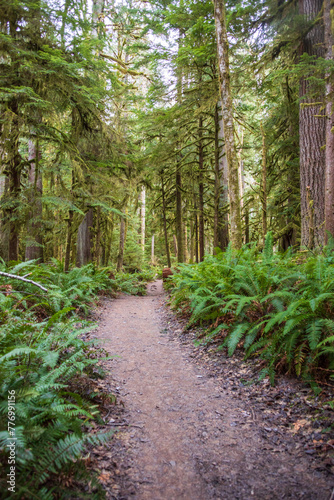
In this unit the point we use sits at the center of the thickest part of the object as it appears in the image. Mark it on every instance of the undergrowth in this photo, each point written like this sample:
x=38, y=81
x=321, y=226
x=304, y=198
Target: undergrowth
x=50, y=369
x=134, y=283
x=276, y=306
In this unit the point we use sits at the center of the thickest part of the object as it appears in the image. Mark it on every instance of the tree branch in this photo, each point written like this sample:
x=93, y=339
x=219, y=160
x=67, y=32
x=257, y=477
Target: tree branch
x=23, y=279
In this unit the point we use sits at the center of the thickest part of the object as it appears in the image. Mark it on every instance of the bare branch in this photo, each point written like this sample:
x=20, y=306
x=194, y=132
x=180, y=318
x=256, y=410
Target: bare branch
x=23, y=279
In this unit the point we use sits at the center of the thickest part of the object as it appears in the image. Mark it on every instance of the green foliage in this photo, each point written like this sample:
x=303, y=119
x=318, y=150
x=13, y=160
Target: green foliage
x=134, y=283
x=278, y=306
x=50, y=366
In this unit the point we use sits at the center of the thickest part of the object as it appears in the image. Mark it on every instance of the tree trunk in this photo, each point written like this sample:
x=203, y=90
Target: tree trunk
x=329, y=154
x=14, y=224
x=69, y=238
x=178, y=179
x=221, y=185
x=175, y=246
x=152, y=251
x=192, y=249
x=312, y=129
x=201, y=189
x=165, y=221
x=85, y=237
x=196, y=231
x=241, y=172
x=103, y=255
x=68, y=241
x=98, y=236
x=289, y=238
x=142, y=219
x=3, y=229
x=178, y=215
x=185, y=231
x=14, y=183
x=264, y=186
x=227, y=112
x=242, y=182
x=122, y=235
x=34, y=248
x=247, y=226
x=84, y=240
x=109, y=239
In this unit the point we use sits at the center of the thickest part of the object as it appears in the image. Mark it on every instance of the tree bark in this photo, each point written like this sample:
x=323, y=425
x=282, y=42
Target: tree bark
x=14, y=182
x=164, y=220
x=201, y=189
x=142, y=219
x=109, y=239
x=312, y=128
x=84, y=240
x=247, y=226
x=192, y=247
x=227, y=112
x=120, y=256
x=221, y=236
x=152, y=251
x=196, y=231
x=69, y=236
x=264, y=185
x=329, y=154
x=178, y=178
x=178, y=215
x=289, y=238
x=34, y=249
x=185, y=235
x=98, y=236
x=3, y=229
x=175, y=246
x=242, y=183
x=68, y=241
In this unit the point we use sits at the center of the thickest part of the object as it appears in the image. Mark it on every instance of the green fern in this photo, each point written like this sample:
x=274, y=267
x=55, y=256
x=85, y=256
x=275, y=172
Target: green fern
x=277, y=307
x=39, y=359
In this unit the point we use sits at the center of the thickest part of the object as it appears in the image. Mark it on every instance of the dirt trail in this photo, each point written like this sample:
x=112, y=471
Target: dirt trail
x=189, y=438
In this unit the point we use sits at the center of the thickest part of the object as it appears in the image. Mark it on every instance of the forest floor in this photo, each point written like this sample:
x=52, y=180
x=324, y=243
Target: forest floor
x=190, y=426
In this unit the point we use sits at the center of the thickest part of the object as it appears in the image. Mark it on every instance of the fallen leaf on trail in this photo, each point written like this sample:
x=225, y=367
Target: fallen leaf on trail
x=299, y=424
x=104, y=477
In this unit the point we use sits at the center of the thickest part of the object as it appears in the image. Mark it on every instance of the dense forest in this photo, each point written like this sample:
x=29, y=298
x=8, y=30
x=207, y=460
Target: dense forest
x=127, y=138
x=137, y=135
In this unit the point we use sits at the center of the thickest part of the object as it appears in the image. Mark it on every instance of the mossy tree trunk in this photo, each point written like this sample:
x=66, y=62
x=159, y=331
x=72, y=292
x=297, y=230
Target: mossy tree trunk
x=84, y=240
x=13, y=171
x=201, y=188
x=264, y=185
x=34, y=247
x=164, y=220
x=227, y=113
x=122, y=233
x=220, y=231
x=178, y=214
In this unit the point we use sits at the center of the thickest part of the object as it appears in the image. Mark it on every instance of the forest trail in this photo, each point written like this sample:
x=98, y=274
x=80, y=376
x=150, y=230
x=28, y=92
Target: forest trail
x=188, y=438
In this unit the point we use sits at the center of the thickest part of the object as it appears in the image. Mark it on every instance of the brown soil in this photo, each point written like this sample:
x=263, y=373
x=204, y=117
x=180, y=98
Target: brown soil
x=187, y=429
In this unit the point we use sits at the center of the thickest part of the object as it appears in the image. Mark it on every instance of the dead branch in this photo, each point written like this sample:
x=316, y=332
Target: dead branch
x=14, y=276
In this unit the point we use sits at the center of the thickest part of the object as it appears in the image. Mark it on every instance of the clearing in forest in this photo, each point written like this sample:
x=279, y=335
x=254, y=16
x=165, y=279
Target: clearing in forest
x=188, y=437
